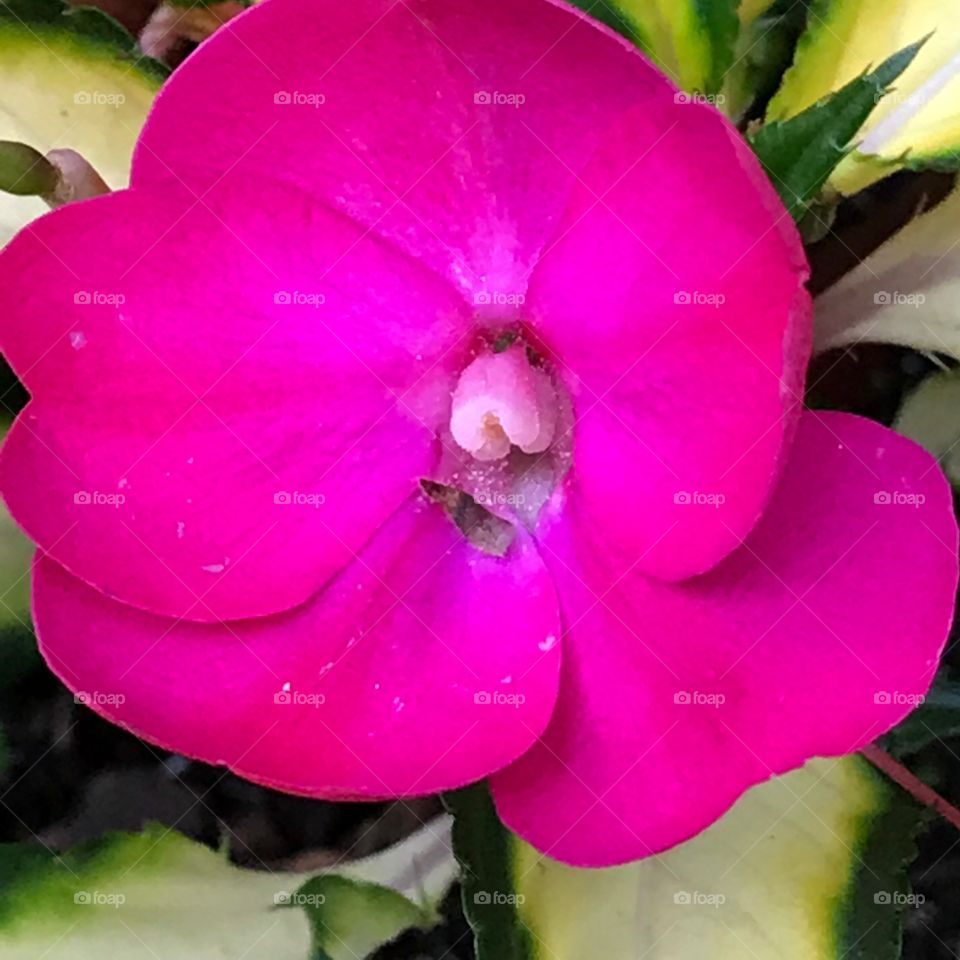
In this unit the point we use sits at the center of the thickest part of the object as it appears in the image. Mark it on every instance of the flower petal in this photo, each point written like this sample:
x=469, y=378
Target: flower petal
x=673, y=299
x=815, y=637
x=423, y=666
x=223, y=412
x=454, y=129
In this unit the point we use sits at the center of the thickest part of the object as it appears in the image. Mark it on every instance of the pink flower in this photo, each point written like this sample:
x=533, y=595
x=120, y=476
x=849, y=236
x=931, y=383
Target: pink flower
x=481, y=244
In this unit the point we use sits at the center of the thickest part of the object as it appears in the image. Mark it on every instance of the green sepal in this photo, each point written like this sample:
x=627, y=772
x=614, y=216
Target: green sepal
x=25, y=172
x=485, y=851
x=799, y=154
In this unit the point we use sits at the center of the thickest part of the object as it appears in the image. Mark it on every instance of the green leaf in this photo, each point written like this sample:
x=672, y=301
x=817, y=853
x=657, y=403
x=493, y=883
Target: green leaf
x=930, y=414
x=799, y=154
x=765, y=46
x=937, y=718
x=484, y=850
x=365, y=904
x=919, y=127
x=16, y=553
x=70, y=77
x=905, y=292
x=157, y=895
x=808, y=866
x=351, y=919
x=89, y=26
x=692, y=40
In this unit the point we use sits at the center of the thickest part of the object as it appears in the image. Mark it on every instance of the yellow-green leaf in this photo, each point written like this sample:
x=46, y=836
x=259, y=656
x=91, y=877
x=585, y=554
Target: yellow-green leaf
x=749, y=10
x=70, y=78
x=790, y=873
x=157, y=895
x=930, y=414
x=917, y=124
x=906, y=292
x=692, y=40
x=808, y=866
x=16, y=552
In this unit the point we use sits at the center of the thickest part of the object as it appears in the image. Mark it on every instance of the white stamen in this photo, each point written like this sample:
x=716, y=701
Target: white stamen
x=501, y=400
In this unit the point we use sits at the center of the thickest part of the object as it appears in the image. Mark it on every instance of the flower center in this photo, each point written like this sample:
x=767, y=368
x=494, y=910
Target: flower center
x=501, y=401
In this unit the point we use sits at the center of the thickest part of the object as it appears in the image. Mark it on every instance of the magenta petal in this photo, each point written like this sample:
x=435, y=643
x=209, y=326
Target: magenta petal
x=223, y=412
x=453, y=128
x=673, y=299
x=423, y=666
x=815, y=637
